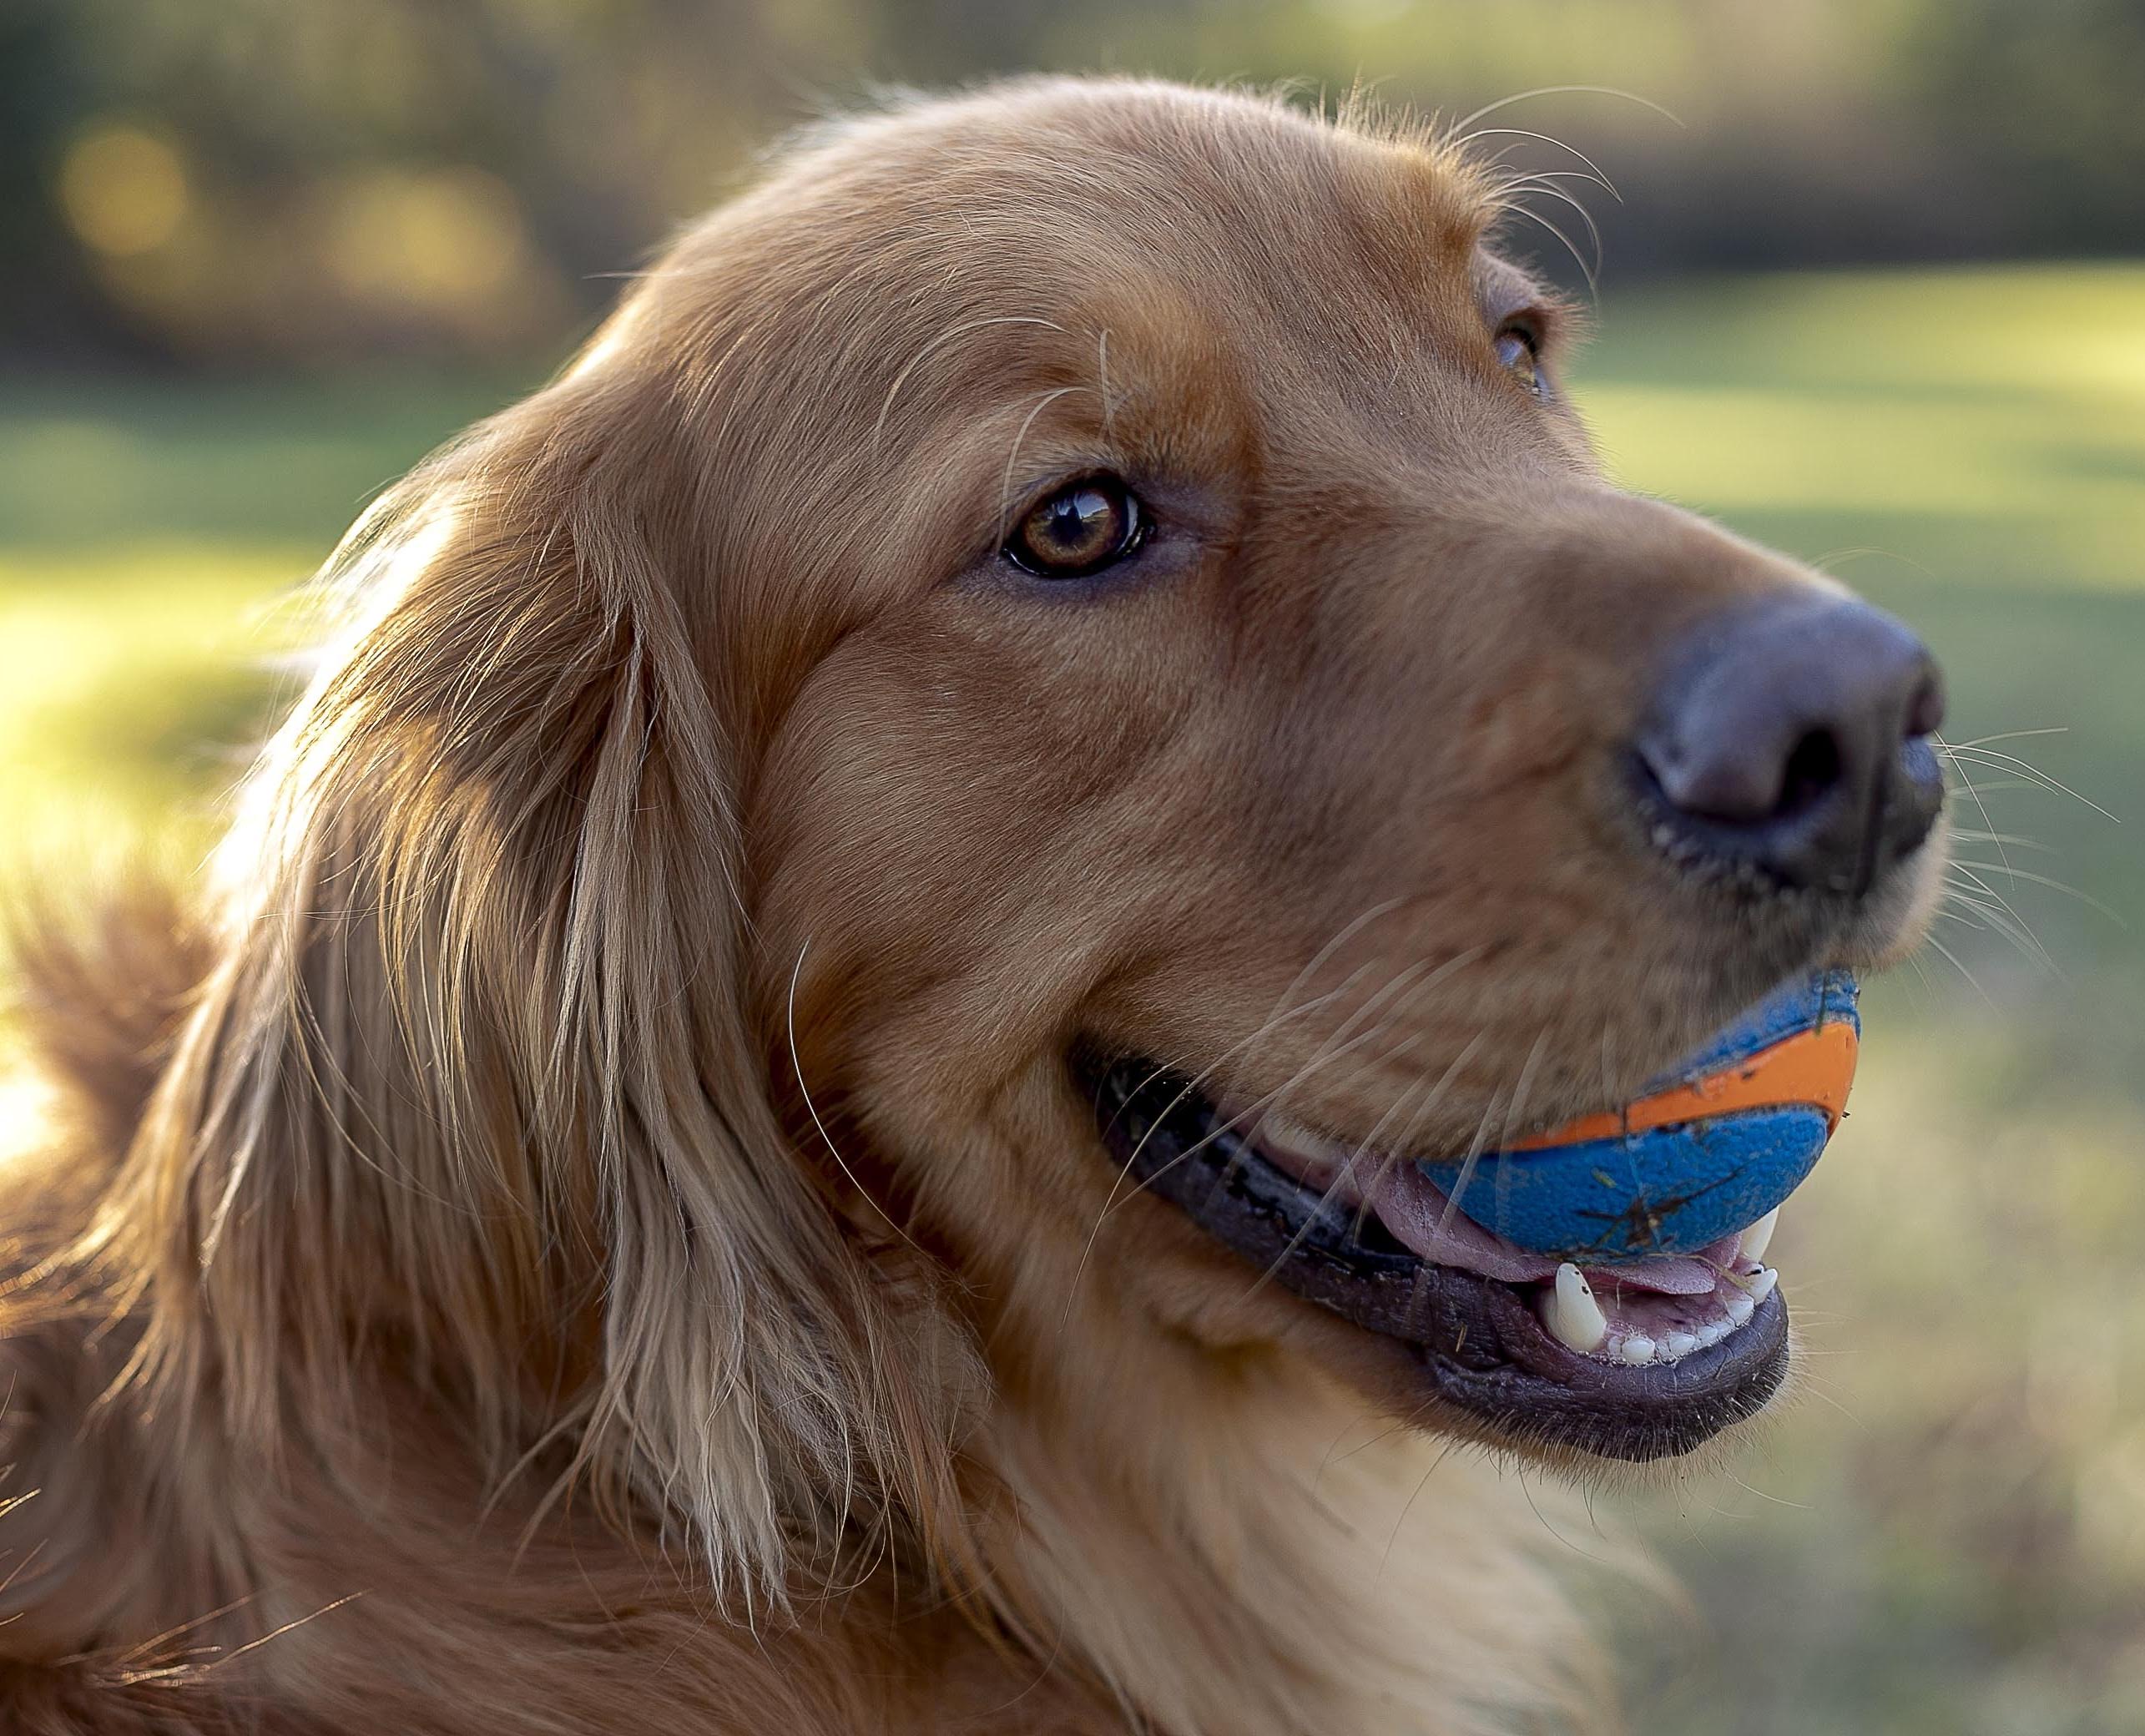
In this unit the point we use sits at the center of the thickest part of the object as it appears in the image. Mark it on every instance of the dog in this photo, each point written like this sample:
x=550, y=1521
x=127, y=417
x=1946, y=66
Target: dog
x=627, y=1199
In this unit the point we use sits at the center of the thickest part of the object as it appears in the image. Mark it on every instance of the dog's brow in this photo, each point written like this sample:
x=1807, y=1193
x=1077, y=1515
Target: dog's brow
x=1502, y=288
x=945, y=337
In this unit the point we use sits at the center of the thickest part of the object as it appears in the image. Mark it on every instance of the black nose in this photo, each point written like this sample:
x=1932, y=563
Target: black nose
x=1792, y=736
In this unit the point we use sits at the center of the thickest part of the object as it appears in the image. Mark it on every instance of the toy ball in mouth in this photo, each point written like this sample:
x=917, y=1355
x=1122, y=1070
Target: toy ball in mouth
x=1708, y=1147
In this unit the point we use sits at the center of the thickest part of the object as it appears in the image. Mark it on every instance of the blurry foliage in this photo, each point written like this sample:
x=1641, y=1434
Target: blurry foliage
x=311, y=178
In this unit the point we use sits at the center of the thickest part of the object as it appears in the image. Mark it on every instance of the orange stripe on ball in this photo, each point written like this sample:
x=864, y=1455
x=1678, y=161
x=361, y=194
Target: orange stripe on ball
x=1815, y=1067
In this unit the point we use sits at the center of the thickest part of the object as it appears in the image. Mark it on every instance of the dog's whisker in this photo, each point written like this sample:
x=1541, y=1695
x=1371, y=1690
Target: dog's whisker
x=1103, y=383
x=2042, y=880
x=1013, y=457
x=1236, y=1123
x=1515, y=1123
x=1578, y=258
x=811, y=1108
x=1514, y=1108
x=1987, y=919
x=1951, y=958
x=1335, y=1049
x=1475, y=1146
x=1399, y=1008
x=1385, y=1559
x=1243, y=1046
x=1465, y=121
x=2016, y=841
x=1341, y=1176
x=1117, y=1182
x=1318, y=960
x=1982, y=741
x=1587, y=217
x=1594, y=171
x=1965, y=886
x=1973, y=794
x=1430, y=1103
x=2025, y=768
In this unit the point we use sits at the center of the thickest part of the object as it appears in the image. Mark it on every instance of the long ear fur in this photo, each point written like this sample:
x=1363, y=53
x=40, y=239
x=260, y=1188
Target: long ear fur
x=474, y=1086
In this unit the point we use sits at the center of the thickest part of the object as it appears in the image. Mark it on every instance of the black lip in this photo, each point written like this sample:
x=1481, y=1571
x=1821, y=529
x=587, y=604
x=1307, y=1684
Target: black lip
x=1475, y=1341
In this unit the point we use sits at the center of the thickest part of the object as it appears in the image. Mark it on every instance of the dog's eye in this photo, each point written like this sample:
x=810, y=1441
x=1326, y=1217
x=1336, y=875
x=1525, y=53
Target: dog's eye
x=1519, y=349
x=1083, y=528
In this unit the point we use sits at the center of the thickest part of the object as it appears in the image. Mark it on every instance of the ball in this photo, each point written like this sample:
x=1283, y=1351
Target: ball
x=1705, y=1150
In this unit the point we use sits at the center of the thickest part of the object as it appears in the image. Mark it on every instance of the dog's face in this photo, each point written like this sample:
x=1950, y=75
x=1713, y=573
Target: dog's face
x=1177, y=625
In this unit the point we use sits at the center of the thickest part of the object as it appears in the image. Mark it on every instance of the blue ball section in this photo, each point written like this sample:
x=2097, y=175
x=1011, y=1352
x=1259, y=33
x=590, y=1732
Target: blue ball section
x=1668, y=1190
x=1672, y=1189
x=1800, y=1005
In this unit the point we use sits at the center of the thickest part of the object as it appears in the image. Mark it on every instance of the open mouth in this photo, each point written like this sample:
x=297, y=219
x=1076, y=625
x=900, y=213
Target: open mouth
x=1635, y=1359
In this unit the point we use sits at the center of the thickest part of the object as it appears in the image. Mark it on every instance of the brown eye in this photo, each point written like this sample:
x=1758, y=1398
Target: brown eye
x=1083, y=528
x=1519, y=350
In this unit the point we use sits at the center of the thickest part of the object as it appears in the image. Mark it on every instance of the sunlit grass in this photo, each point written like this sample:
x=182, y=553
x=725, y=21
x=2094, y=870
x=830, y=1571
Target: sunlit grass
x=147, y=538
x=134, y=679
x=1946, y=1533
x=1987, y=423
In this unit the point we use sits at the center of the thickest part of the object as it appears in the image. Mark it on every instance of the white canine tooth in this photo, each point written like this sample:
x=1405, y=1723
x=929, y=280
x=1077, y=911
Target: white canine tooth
x=1761, y=1286
x=1740, y=1308
x=1680, y=1344
x=1291, y=1137
x=1759, y=1236
x=1574, y=1317
x=1636, y=1351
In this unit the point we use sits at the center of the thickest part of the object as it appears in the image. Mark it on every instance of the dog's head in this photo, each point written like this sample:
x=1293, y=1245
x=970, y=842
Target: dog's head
x=1053, y=588
x=1228, y=663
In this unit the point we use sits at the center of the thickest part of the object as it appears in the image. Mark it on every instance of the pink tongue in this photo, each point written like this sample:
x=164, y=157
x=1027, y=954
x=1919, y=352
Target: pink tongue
x=1422, y=1220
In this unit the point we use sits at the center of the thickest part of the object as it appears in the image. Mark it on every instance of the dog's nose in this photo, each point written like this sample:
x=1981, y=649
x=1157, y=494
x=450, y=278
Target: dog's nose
x=1792, y=736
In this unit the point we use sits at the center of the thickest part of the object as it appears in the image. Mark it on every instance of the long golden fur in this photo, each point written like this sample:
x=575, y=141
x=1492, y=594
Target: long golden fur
x=584, y=1225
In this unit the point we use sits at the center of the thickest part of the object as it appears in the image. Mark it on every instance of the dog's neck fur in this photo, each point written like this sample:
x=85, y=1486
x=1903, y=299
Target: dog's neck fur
x=1233, y=1541
x=1281, y=1562
x=1270, y=1563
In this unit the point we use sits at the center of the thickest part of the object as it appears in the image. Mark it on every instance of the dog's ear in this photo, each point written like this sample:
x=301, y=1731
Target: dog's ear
x=475, y=1077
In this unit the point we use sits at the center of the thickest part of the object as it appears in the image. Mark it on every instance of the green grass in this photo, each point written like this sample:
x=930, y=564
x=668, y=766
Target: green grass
x=1946, y=1533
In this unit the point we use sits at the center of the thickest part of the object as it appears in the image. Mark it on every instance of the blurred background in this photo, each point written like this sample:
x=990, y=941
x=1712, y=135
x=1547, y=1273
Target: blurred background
x=1875, y=293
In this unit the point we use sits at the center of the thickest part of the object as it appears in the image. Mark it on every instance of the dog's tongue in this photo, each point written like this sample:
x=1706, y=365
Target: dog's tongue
x=1421, y=1218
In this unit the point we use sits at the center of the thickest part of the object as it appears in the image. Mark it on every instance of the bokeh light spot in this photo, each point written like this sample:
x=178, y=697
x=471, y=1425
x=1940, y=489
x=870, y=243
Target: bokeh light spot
x=444, y=240
x=124, y=191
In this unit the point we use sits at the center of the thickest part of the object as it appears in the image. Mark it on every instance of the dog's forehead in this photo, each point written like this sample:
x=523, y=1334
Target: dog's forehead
x=1072, y=205
x=1149, y=238
x=1256, y=214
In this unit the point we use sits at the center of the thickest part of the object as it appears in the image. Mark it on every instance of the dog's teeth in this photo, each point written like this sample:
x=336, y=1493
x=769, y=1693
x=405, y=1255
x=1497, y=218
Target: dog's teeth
x=1293, y=1139
x=1575, y=1319
x=1759, y=1236
x=1571, y=1313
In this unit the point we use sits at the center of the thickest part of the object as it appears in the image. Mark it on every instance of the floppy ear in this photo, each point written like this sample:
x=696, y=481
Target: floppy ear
x=474, y=1079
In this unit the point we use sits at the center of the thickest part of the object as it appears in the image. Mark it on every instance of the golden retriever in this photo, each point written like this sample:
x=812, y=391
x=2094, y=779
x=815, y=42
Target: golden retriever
x=630, y=1202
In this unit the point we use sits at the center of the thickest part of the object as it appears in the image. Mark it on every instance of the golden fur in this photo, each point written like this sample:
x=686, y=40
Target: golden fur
x=586, y=1227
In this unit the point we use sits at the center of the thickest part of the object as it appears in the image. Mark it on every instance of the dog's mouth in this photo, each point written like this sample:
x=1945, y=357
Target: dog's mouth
x=1643, y=1359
